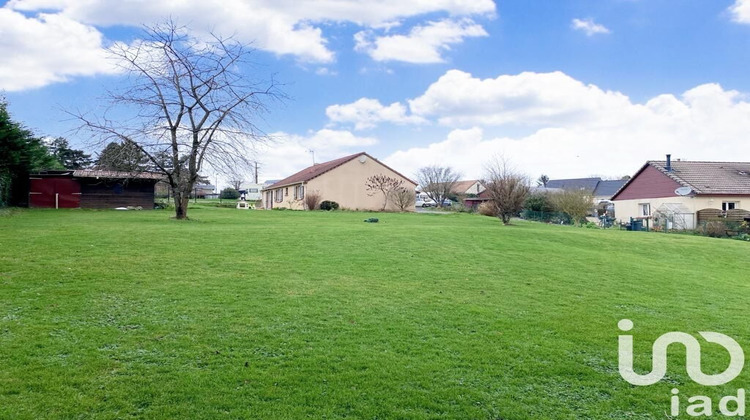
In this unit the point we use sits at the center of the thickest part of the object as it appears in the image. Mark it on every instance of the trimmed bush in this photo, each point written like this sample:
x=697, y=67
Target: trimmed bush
x=329, y=205
x=229, y=193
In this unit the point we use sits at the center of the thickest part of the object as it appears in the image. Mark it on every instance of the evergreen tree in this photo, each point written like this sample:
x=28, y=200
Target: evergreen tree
x=125, y=156
x=69, y=158
x=20, y=154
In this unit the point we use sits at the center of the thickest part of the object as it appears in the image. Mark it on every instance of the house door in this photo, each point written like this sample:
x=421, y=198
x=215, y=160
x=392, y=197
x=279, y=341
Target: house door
x=269, y=200
x=61, y=193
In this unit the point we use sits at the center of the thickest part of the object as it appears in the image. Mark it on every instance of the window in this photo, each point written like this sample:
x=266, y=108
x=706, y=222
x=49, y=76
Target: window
x=287, y=191
x=299, y=192
x=730, y=205
x=253, y=190
x=644, y=209
x=279, y=195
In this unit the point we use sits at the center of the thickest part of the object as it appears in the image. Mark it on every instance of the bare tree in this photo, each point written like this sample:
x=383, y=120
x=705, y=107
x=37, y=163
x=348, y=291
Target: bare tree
x=190, y=102
x=574, y=202
x=236, y=176
x=437, y=182
x=542, y=181
x=382, y=184
x=403, y=198
x=312, y=200
x=507, y=189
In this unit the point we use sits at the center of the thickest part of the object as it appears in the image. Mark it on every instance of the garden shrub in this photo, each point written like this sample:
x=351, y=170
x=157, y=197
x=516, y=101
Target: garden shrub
x=229, y=193
x=539, y=202
x=329, y=205
x=715, y=229
x=312, y=200
x=487, y=209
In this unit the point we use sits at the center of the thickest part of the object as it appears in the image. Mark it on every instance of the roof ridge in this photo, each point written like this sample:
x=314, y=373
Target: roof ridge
x=673, y=161
x=300, y=175
x=319, y=169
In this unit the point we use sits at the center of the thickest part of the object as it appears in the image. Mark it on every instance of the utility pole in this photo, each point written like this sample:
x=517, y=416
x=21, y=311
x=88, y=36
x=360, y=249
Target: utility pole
x=256, y=171
x=312, y=152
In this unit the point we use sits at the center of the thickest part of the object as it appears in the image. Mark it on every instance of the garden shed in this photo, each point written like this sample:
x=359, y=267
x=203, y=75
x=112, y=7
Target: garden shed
x=93, y=189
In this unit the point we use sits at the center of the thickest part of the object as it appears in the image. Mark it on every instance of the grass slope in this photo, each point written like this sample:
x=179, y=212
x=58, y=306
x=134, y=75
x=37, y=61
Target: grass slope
x=253, y=314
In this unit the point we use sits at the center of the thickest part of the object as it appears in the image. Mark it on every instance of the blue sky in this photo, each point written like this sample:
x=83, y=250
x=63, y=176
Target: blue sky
x=566, y=88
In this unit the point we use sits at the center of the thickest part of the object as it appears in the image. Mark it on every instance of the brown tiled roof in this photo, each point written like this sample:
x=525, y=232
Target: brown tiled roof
x=724, y=178
x=97, y=173
x=460, y=187
x=321, y=168
x=709, y=177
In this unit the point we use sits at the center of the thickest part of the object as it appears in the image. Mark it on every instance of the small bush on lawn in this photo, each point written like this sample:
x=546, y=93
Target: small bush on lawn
x=715, y=229
x=312, y=200
x=229, y=193
x=459, y=207
x=329, y=205
x=162, y=204
x=487, y=209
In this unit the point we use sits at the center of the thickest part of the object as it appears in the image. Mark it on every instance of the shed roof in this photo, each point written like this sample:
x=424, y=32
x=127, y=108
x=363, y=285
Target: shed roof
x=98, y=173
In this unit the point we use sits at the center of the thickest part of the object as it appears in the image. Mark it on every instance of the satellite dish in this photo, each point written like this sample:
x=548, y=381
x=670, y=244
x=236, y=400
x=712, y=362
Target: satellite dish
x=683, y=191
x=362, y=159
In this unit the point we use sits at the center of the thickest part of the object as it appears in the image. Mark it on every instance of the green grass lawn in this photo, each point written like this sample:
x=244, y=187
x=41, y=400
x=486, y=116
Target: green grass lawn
x=270, y=314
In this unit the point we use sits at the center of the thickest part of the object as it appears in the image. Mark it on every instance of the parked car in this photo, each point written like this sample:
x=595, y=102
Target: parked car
x=448, y=203
x=425, y=203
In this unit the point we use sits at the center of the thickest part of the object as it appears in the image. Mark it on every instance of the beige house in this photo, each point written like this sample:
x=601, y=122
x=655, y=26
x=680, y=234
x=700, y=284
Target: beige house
x=341, y=180
x=677, y=193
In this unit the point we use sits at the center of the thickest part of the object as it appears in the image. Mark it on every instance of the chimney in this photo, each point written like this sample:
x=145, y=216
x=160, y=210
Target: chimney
x=669, y=163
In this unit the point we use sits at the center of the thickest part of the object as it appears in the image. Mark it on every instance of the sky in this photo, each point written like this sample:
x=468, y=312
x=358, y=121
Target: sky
x=566, y=88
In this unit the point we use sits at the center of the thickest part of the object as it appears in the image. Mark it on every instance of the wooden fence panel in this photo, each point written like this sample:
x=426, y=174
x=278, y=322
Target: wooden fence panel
x=734, y=215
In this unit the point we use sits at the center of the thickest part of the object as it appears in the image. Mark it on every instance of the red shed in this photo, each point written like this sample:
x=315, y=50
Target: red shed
x=93, y=189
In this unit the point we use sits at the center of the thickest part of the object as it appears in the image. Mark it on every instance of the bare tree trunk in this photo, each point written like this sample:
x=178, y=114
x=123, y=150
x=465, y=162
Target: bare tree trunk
x=181, y=201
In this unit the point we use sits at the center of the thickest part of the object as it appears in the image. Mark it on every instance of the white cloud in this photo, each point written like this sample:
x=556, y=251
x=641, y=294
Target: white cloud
x=290, y=153
x=367, y=113
x=459, y=99
x=576, y=129
x=325, y=71
x=279, y=26
x=740, y=11
x=589, y=27
x=46, y=49
x=423, y=43
x=53, y=40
